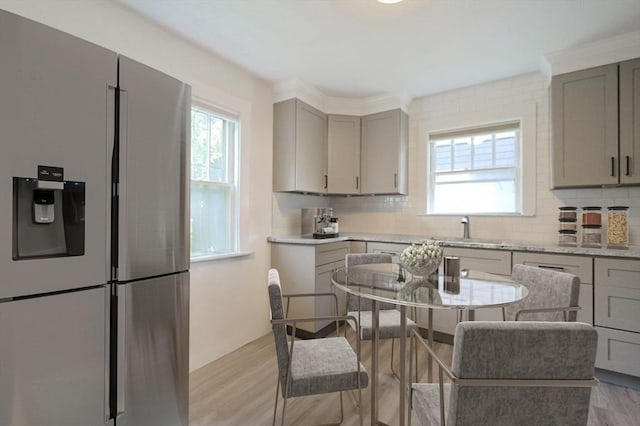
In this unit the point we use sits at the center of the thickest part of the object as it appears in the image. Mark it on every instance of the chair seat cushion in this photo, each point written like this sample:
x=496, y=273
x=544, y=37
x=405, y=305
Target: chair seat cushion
x=389, y=324
x=325, y=365
x=426, y=402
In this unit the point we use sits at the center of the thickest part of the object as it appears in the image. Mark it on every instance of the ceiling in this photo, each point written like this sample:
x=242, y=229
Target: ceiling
x=361, y=48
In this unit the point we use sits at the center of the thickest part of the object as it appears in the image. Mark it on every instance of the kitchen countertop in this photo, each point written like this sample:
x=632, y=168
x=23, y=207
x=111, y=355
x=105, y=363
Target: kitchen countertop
x=633, y=252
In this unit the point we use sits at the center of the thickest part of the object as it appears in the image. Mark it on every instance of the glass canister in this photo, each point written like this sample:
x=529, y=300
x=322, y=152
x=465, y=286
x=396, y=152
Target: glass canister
x=567, y=238
x=567, y=218
x=568, y=214
x=618, y=227
x=591, y=236
x=591, y=216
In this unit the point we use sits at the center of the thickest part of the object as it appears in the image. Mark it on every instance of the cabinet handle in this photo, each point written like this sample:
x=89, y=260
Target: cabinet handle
x=613, y=166
x=628, y=159
x=395, y=180
x=357, y=182
x=326, y=181
x=555, y=268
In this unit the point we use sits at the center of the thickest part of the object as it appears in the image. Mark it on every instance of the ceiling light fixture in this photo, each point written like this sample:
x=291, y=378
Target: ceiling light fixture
x=389, y=1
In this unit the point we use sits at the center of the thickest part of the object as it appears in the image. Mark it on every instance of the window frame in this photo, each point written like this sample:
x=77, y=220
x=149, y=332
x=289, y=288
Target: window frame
x=232, y=183
x=471, y=132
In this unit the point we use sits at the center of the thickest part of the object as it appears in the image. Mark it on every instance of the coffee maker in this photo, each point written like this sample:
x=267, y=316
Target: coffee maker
x=319, y=222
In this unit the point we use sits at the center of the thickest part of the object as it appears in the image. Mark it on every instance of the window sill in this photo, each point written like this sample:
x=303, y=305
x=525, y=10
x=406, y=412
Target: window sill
x=221, y=256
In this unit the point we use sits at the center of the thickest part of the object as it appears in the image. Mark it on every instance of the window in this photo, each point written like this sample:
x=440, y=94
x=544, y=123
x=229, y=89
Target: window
x=476, y=171
x=214, y=140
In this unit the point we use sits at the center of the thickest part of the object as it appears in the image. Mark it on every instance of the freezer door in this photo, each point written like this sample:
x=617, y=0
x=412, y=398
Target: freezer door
x=54, y=360
x=153, y=352
x=154, y=138
x=57, y=95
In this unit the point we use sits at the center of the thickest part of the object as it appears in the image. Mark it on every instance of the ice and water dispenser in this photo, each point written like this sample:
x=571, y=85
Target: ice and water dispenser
x=48, y=215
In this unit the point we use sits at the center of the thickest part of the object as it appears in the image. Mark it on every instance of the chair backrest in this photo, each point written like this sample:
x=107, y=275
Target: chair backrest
x=355, y=303
x=279, y=330
x=522, y=350
x=547, y=289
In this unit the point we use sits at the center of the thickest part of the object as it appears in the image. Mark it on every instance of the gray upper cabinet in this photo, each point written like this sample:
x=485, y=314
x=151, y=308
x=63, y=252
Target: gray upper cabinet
x=344, y=154
x=384, y=153
x=585, y=128
x=299, y=147
x=596, y=126
x=630, y=122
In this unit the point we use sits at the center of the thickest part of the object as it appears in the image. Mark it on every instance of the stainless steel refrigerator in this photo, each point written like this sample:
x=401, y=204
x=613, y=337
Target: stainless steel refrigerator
x=94, y=281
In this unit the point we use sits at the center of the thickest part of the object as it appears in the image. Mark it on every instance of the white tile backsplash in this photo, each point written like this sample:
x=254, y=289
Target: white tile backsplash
x=405, y=214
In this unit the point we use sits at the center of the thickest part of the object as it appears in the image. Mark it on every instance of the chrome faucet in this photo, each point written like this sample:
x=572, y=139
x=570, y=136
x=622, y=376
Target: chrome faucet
x=465, y=231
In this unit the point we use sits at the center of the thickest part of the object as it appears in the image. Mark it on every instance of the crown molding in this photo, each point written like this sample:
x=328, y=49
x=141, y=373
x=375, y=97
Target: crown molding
x=601, y=52
x=294, y=88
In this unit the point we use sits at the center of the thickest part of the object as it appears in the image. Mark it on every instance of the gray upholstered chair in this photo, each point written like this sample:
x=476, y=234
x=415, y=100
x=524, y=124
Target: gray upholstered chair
x=389, y=325
x=553, y=295
x=310, y=367
x=512, y=373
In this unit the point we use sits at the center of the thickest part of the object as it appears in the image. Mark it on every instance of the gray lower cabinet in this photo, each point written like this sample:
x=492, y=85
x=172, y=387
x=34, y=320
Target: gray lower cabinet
x=491, y=261
x=609, y=290
x=307, y=269
x=617, y=314
x=582, y=266
x=394, y=249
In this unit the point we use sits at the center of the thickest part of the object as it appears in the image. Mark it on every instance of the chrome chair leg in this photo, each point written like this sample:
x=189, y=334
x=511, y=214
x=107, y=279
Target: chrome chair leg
x=395, y=374
x=284, y=408
x=275, y=405
x=360, y=404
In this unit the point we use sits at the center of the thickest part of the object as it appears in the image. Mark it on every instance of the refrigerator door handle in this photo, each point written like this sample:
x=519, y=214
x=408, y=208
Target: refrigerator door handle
x=107, y=338
x=121, y=360
x=123, y=254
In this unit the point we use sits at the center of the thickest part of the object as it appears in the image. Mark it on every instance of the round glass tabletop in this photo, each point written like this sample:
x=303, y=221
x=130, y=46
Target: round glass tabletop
x=389, y=282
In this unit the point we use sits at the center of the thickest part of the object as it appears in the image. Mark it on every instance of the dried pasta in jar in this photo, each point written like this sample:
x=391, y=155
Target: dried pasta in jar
x=618, y=227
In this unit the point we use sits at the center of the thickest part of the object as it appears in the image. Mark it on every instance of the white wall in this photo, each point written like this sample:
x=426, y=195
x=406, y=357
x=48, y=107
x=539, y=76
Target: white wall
x=405, y=214
x=228, y=298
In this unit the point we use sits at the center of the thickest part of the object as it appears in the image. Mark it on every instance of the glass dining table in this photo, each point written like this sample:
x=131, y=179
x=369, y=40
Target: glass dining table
x=391, y=283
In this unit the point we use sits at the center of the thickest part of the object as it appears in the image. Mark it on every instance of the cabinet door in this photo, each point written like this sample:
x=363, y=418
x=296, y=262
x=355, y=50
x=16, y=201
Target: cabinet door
x=297, y=267
x=582, y=266
x=311, y=149
x=618, y=351
x=299, y=147
x=384, y=153
x=617, y=294
x=343, y=166
x=484, y=260
x=585, y=127
x=324, y=305
x=490, y=261
x=630, y=121
x=394, y=249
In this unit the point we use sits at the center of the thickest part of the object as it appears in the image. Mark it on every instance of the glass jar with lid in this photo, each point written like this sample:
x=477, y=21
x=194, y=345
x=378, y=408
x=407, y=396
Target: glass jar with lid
x=591, y=236
x=567, y=218
x=618, y=227
x=568, y=214
x=567, y=238
x=591, y=216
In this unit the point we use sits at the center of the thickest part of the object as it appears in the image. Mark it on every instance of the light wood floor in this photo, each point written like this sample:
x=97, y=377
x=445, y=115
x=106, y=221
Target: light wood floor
x=239, y=390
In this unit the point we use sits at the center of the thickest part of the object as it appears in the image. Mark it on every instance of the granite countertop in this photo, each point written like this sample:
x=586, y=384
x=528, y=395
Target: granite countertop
x=633, y=252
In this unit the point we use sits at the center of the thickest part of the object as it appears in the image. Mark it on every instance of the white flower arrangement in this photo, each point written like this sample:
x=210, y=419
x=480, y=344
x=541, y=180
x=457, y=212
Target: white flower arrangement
x=423, y=259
